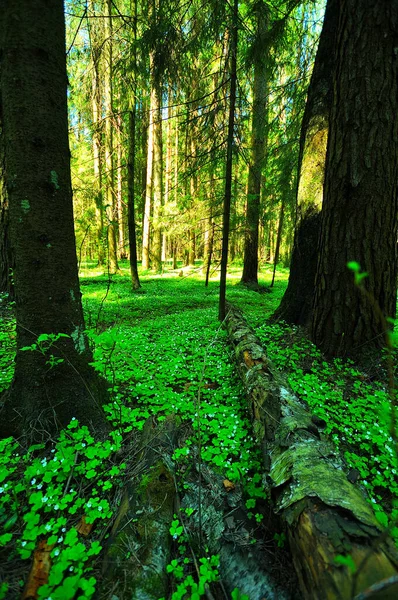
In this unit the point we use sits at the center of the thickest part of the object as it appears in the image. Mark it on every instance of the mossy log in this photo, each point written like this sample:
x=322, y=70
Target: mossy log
x=223, y=526
x=324, y=513
x=140, y=543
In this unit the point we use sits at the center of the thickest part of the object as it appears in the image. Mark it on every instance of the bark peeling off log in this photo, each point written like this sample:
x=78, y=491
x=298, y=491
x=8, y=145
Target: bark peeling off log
x=325, y=515
x=140, y=541
x=226, y=530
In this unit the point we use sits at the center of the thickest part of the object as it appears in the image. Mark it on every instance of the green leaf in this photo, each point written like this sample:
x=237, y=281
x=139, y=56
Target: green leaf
x=346, y=561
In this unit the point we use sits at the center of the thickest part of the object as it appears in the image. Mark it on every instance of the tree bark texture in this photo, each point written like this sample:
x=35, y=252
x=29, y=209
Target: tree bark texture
x=360, y=210
x=324, y=514
x=297, y=301
x=258, y=148
x=48, y=300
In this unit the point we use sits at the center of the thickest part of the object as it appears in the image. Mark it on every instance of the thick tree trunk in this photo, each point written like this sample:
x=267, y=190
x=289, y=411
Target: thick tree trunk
x=296, y=304
x=258, y=149
x=324, y=514
x=110, y=195
x=42, y=397
x=360, y=208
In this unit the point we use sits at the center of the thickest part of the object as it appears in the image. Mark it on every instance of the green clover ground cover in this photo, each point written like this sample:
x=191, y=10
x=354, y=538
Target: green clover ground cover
x=162, y=349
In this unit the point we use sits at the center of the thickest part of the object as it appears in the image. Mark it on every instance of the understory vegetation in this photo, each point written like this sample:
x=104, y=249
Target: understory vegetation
x=163, y=352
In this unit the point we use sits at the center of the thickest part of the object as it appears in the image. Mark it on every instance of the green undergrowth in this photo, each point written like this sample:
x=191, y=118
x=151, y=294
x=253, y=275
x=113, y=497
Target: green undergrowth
x=353, y=402
x=163, y=352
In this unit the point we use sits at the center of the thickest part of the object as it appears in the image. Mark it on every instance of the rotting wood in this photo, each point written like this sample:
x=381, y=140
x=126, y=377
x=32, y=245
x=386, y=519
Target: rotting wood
x=140, y=543
x=226, y=530
x=324, y=513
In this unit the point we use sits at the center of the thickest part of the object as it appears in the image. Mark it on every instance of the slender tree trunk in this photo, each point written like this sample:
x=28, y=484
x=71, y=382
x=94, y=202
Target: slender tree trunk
x=6, y=260
x=229, y=163
x=96, y=109
x=119, y=197
x=157, y=174
x=131, y=200
x=278, y=239
x=296, y=304
x=42, y=398
x=360, y=207
x=258, y=149
x=110, y=196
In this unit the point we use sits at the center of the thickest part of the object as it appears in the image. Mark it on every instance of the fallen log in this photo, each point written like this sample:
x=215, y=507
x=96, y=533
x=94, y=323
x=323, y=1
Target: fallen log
x=325, y=515
x=139, y=545
x=225, y=529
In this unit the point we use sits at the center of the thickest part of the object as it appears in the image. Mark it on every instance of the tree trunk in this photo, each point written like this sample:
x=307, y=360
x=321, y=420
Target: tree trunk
x=324, y=513
x=146, y=228
x=110, y=195
x=258, y=149
x=360, y=208
x=6, y=259
x=131, y=201
x=131, y=163
x=96, y=42
x=157, y=174
x=296, y=304
x=229, y=162
x=119, y=196
x=43, y=395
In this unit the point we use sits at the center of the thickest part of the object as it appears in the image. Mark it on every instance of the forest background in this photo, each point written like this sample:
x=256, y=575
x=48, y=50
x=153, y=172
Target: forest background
x=190, y=124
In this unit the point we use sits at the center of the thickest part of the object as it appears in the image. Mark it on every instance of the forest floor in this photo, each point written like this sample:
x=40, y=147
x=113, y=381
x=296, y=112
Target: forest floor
x=164, y=353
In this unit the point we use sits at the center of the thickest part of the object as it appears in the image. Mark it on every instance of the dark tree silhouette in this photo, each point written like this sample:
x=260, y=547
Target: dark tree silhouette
x=360, y=204
x=42, y=397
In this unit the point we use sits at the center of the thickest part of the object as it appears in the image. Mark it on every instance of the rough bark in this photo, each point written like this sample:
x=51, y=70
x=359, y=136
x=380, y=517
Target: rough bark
x=48, y=300
x=297, y=301
x=157, y=174
x=360, y=207
x=324, y=514
x=258, y=148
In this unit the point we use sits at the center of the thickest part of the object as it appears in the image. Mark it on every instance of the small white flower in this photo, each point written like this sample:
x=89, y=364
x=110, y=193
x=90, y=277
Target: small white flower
x=88, y=504
x=60, y=539
x=44, y=499
x=100, y=508
x=1, y=490
x=39, y=486
x=33, y=481
x=47, y=527
x=374, y=501
x=23, y=543
x=56, y=507
x=71, y=569
x=83, y=445
x=56, y=552
x=63, y=529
